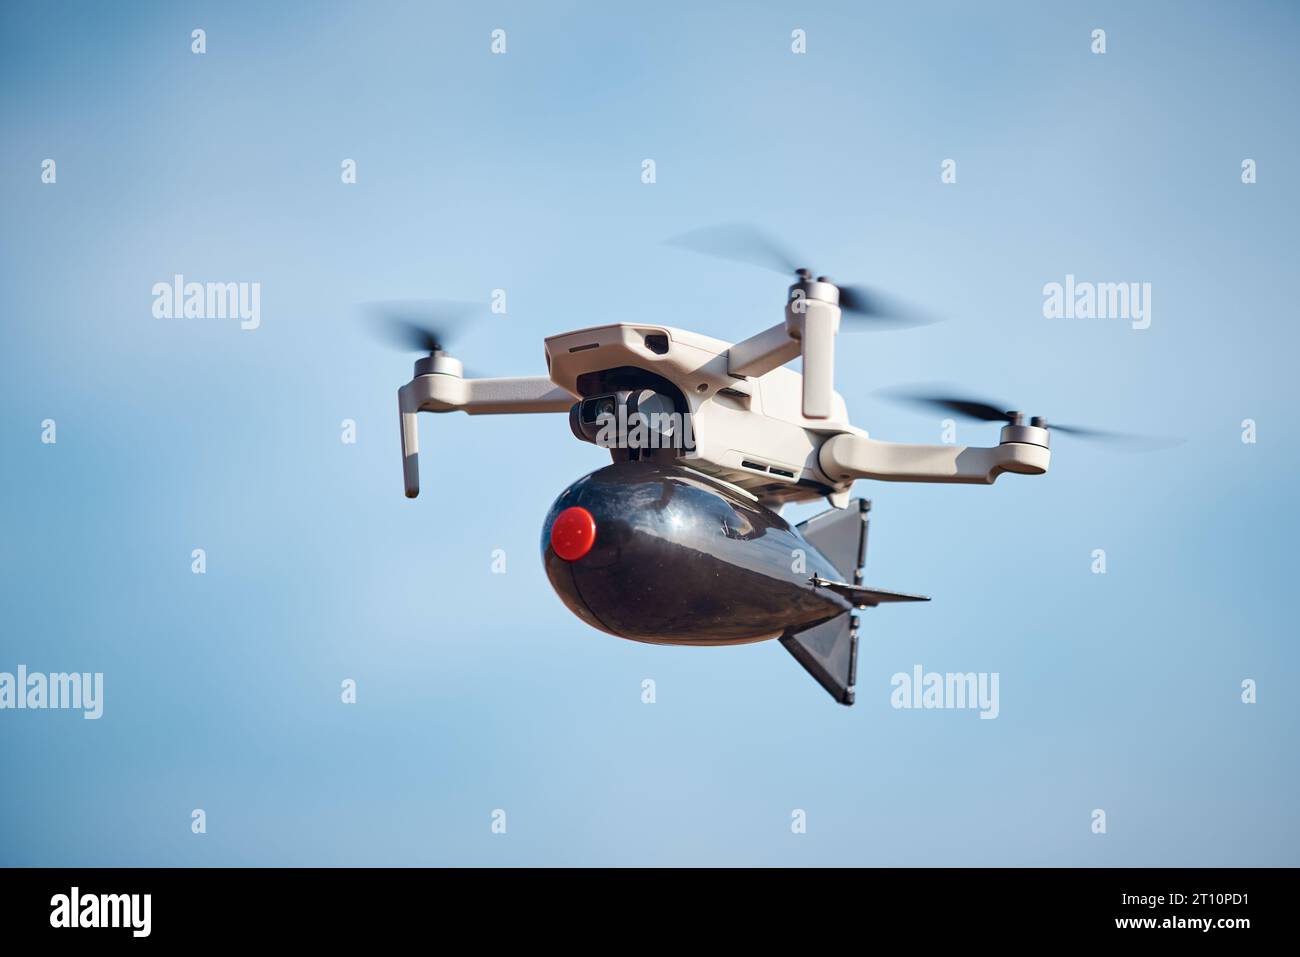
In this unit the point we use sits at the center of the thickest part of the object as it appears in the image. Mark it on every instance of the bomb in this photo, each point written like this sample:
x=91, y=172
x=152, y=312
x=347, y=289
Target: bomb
x=662, y=554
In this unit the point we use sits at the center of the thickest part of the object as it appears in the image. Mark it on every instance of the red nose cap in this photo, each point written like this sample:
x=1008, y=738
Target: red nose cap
x=573, y=533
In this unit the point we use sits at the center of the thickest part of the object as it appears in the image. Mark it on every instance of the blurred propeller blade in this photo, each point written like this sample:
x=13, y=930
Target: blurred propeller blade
x=739, y=242
x=991, y=412
x=858, y=303
x=1084, y=433
x=971, y=408
x=1127, y=441
x=744, y=243
x=419, y=325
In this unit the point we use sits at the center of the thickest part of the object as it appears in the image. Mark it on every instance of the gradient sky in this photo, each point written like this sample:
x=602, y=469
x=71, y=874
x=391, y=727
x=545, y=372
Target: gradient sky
x=479, y=691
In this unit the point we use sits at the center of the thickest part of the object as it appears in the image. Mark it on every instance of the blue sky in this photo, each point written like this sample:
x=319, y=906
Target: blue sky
x=479, y=691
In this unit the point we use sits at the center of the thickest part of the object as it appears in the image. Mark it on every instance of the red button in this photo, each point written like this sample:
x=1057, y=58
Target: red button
x=573, y=533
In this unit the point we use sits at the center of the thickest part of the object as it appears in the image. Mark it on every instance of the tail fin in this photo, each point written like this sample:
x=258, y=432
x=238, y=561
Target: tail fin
x=841, y=535
x=864, y=597
x=828, y=652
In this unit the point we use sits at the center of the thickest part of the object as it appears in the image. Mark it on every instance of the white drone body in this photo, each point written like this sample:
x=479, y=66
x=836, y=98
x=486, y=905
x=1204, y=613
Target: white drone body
x=758, y=426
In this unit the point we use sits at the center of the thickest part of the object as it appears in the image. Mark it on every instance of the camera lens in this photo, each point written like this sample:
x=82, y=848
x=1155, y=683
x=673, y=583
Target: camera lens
x=593, y=409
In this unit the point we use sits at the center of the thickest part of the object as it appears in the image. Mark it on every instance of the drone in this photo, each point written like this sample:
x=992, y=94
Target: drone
x=680, y=540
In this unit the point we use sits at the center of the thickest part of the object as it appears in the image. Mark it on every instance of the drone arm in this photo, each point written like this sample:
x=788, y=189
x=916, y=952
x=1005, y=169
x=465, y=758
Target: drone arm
x=847, y=456
x=760, y=354
x=811, y=323
x=449, y=393
x=504, y=396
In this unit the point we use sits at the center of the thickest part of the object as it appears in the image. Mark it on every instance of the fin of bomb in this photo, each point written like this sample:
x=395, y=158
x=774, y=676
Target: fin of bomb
x=841, y=535
x=828, y=652
x=864, y=597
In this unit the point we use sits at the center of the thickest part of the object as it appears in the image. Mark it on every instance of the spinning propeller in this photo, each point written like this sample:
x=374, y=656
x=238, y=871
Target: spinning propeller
x=983, y=411
x=422, y=325
x=862, y=306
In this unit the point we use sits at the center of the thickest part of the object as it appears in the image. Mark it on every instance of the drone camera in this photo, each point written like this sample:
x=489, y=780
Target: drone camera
x=647, y=421
x=585, y=416
x=591, y=410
